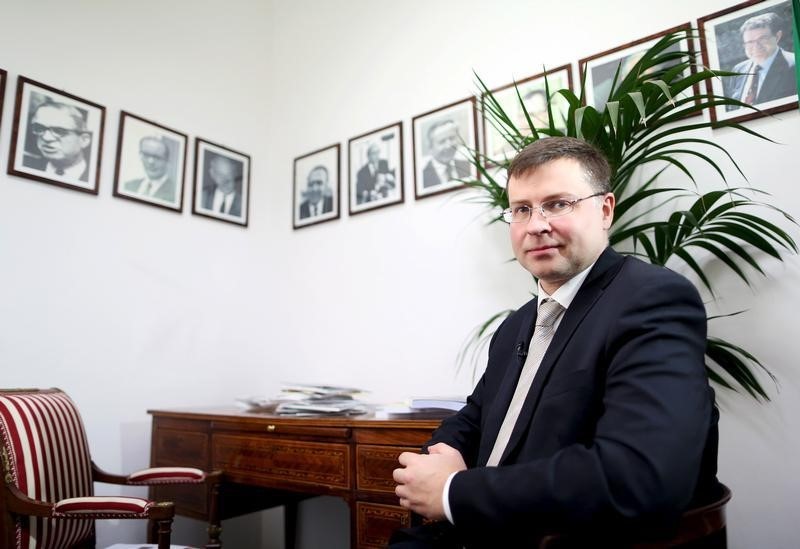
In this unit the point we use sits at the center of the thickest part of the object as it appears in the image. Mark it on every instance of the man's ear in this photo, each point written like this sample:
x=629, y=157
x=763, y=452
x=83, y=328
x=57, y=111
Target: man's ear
x=609, y=201
x=86, y=140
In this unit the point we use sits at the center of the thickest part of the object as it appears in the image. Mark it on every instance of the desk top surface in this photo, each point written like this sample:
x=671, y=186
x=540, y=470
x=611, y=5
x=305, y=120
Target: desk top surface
x=230, y=413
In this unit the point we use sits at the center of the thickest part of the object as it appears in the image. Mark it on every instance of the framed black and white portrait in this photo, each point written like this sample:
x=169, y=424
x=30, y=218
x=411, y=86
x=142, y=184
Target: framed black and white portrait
x=151, y=163
x=57, y=137
x=221, y=182
x=531, y=110
x=444, y=143
x=316, y=187
x=376, y=169
x=599, y=70
x=755, y=40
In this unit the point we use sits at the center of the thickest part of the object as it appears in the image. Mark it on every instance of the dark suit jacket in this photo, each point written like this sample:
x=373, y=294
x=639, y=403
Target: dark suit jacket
x=40, y=163
x=430, y=177
x=236, y=205
x=780, y=81
x=365, y=181
x=165, y=191
x=618, y=432
x=305, y=208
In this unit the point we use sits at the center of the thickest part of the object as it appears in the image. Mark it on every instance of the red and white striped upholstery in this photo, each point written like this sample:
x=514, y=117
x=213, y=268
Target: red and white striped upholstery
x=166, y=475
x=43, y=436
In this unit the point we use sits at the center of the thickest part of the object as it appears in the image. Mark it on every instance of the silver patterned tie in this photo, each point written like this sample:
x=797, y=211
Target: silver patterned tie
x=549, y=311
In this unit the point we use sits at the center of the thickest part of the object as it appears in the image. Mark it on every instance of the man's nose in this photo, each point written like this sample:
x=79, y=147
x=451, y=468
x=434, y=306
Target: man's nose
x=538, y=222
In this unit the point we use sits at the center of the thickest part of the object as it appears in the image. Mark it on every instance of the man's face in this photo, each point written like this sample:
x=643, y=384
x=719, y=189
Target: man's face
x=223, y=175
x=59, y=139
x=373, y=154
x=444, y=142
x=556, y=249
x=154, y=158
x=759, y=44
x=317, y=180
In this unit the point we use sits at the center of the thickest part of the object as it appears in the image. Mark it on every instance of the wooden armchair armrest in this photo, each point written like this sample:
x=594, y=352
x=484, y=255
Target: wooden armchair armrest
x=19, y=503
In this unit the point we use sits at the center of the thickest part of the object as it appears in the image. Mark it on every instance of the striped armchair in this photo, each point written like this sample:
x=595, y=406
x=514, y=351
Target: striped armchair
x=47, y=499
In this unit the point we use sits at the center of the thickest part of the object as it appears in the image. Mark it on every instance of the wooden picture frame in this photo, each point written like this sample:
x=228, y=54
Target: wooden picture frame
x=597, y=71
x=534, y=97
x=3, y=78
x=151, y=163
x=56, y=138
x=316, y=187
x=375, y=161
x=221, y=188
x=443, y=143
x=722, y=43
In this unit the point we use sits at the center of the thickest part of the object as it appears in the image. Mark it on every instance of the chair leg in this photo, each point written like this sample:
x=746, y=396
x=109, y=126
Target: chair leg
x=164, y=532
x=214, y=526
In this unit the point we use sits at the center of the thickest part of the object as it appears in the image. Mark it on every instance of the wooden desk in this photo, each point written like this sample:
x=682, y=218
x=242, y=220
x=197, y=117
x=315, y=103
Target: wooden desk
x=274, y=460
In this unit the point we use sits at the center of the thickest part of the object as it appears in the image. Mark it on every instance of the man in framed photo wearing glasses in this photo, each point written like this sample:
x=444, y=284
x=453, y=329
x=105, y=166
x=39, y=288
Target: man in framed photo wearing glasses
x=768, y=73
x=62, y=140
x=594, y=418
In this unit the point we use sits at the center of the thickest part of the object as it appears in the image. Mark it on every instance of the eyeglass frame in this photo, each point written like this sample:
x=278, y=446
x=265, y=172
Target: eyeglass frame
x=508, y=213
x=56, y=131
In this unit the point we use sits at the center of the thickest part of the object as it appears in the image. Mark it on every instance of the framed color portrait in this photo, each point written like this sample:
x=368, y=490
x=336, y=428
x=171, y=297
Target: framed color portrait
x=599, y=69
x=755, y=40
x=534, y=102
x=315, y=190
x=221, y=183
x=444, y=139
x=57, y=137
x=376, y=169
x=151, y=163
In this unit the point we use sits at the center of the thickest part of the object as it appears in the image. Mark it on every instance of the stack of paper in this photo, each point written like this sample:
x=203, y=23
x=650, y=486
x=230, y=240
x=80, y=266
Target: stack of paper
x=299, y=399
x=441, y=403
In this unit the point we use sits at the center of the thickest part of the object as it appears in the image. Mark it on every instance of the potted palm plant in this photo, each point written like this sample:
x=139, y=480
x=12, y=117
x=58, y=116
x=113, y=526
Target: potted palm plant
x=647, y=129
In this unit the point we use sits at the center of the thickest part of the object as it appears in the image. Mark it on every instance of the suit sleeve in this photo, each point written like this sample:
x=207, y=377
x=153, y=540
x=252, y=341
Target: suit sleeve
x=644, y=457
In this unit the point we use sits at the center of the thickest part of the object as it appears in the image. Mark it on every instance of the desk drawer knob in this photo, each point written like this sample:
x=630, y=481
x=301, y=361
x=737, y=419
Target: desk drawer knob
x=271, y=428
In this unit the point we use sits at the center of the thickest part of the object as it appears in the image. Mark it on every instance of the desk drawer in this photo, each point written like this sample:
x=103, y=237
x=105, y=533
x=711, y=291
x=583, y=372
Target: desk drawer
x=374, y=466
x=276, y=462
x=376, y=522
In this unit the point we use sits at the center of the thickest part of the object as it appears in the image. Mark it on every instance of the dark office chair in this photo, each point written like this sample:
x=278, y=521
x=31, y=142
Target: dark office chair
x=47, y=498
x=699, y=528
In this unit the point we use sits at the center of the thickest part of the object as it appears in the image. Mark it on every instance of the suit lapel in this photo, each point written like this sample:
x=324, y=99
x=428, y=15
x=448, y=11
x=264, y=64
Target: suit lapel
x=605, y=269
x=497, y=411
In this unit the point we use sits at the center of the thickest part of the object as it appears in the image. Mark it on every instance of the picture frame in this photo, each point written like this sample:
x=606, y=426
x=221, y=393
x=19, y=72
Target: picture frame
x=3, y=78
x=597, y=71
x=722, y=45
x=442, y=139
x=534, y=97
x=151, y=163
x=375, y=162
x=56, y=138
x=316, y=187
x=221, y=188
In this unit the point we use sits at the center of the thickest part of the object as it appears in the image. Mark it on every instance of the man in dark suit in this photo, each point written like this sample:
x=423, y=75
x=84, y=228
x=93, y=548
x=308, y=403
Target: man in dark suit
x=222, y=185
x=62, y=140
x=613, y=433
x=444, y=167
x=317, y=201
x=768, y=73
x=374, y=180
x=157, y=184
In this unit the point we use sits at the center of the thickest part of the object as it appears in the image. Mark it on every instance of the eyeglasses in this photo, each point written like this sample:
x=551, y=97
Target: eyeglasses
x=548, y=209
x=762, y=41
x=316, y=183
x=59, y=132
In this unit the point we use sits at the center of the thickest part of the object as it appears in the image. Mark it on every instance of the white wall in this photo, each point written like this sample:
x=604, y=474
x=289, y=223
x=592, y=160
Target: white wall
x=130, y=307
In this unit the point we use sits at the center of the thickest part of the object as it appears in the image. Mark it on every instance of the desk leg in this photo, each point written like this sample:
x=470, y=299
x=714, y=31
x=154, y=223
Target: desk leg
x=290, y=525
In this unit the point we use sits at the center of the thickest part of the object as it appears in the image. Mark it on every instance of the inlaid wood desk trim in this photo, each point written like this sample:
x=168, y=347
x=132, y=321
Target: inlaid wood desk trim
x=275, y=460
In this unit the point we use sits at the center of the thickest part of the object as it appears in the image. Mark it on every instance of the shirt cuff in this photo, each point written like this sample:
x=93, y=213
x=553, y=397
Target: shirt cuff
x=446, y=499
